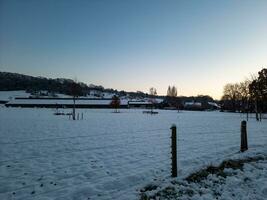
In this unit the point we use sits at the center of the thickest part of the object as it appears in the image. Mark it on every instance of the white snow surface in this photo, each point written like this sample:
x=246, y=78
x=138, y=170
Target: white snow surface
x=248, y=183
x=8, y=95
x=110, y=155
x=11, y=95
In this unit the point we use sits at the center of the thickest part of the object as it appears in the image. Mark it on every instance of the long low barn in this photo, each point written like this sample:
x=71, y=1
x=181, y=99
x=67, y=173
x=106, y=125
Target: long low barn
x=63, y=103
x=68, y=103
x=139, y=104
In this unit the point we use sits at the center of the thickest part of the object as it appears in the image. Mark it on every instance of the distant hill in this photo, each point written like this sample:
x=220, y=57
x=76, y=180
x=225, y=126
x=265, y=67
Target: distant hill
x=14, y=81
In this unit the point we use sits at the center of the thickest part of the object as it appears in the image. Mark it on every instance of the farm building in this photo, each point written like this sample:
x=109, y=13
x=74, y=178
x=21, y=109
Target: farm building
x=193, y=106
x=201, y=106
x=139, y=104
x=63, y=103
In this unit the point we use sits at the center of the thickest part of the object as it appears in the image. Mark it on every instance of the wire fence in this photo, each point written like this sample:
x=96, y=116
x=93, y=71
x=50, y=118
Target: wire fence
x=43, y=166
x=207, y=147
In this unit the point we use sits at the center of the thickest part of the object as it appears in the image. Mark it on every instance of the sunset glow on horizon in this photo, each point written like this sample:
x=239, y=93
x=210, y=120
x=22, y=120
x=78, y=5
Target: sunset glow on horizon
x=198, y=46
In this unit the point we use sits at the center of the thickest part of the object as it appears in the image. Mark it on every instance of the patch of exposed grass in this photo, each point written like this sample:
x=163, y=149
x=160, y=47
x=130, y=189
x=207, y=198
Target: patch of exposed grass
x=149, y=187
x=174, y=192
x=219, y=170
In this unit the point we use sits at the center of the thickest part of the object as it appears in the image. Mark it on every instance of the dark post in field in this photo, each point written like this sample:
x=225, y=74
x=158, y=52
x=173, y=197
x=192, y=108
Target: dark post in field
x=174, y=151
x=73, y=110
x=244, y=139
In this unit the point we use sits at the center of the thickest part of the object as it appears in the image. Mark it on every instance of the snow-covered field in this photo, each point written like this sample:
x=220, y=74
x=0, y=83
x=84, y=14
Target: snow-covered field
x=245, y=182
x=110, y=155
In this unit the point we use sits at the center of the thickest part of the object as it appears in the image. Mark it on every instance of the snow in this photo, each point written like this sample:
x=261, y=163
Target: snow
x=247, y=184
x=193, y=104
x=63, y=101
x=111, y=155
x=242, y=184
x=11, y=96
x=7, y=95
x=214, y=104
x=108, y=95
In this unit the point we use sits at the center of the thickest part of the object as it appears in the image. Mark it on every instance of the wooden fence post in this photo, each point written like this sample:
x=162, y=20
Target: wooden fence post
x=174, y=151
x=244, y=139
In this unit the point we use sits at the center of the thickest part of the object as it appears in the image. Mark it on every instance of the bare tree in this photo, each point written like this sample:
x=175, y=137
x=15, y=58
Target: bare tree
x=169, y=91
x=245, y=96
x=153, y=93
x=258, y=91
x=231, y=93
x=172, y=97
x=172, y=91
x=115, y=103
x=75, y=91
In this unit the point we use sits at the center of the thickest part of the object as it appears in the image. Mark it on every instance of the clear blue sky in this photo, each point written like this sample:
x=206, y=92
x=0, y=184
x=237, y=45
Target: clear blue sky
x=134, y=44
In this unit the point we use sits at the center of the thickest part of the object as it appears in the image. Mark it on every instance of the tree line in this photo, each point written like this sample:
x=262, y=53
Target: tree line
x=172, y=100
x=14, y=81
x=248, y=96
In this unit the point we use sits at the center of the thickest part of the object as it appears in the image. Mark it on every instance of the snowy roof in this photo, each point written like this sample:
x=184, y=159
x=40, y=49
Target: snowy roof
x=64, y=101
x=140, y=102
x=159, y=100
x=214, y=104
x=193, y=104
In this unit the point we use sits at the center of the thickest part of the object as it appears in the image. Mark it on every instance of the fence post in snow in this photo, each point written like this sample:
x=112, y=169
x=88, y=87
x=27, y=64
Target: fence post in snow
x=174, y=151
x=82, y=116
x=78, y=116
x=244, y=139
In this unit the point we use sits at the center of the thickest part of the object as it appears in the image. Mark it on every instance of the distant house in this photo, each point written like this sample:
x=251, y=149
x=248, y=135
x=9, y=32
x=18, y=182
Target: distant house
x=145, y=103
x=214, y=106
x=42, y=93
x=96, y=91
x=193, y=105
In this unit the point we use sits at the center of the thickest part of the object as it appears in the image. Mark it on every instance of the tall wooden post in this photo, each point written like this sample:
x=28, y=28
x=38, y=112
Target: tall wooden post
x=256, y=110
x=73, y=112
x=244, y=139
x=247, y=108
x=174, y=151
